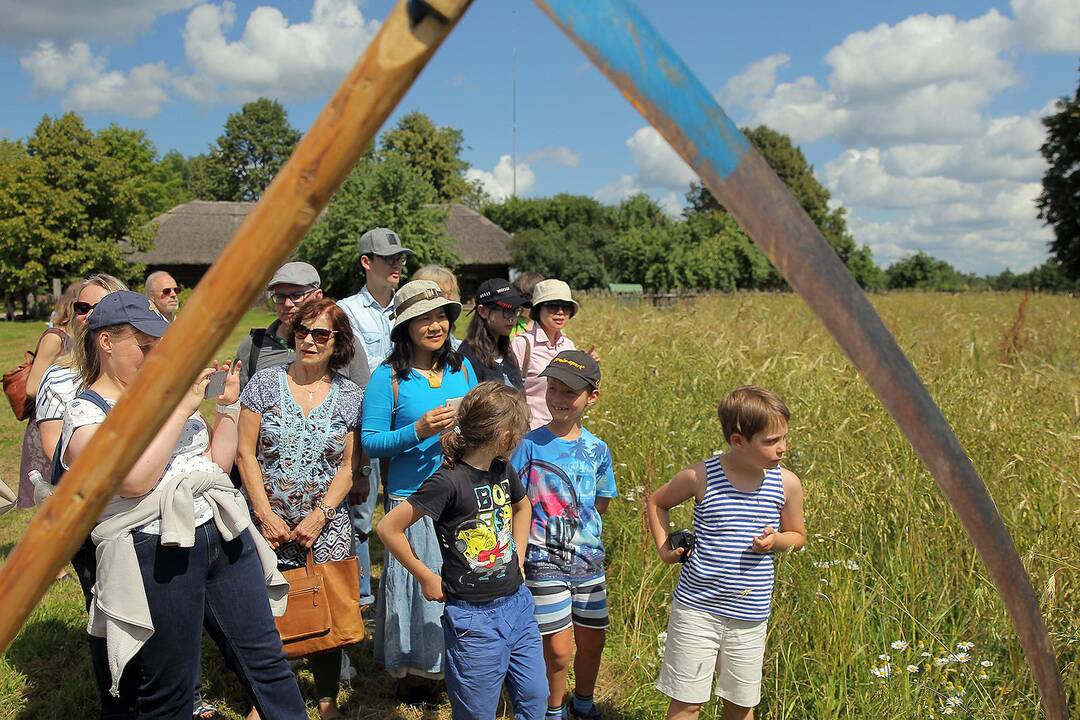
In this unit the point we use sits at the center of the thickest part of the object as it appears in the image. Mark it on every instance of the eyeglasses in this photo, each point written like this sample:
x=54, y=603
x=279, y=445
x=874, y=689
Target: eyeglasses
x=555, y=307
x=170, y=291
x=82, y=308
x=509, y=313
x=321, y=336
x=393, y=260
x=279, y=298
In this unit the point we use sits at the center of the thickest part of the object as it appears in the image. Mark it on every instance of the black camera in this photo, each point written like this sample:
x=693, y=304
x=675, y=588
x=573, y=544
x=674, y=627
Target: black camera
x=682, y=539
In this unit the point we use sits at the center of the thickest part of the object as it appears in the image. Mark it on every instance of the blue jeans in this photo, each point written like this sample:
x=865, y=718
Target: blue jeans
x=219, y=583
x=361, y=520
x=489, y=643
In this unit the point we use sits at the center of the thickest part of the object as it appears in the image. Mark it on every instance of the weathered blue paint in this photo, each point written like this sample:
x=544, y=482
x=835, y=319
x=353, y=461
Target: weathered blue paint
x=624, y=42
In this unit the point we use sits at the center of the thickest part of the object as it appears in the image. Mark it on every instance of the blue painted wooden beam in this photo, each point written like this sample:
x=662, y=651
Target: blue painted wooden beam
x=626, y=48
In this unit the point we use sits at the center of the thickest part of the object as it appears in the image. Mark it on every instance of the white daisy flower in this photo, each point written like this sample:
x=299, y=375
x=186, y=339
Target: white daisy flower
x=912, y=669
x=986, y=663
x=965, y=646
x=899, y=645
x=962, y=657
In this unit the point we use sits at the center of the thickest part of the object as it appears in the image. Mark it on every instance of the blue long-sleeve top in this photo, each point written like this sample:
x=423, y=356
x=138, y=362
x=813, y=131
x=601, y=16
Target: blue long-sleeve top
x=412, y=460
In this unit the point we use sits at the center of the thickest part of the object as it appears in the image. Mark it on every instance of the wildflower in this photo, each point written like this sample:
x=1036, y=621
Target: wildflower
x=965, y=646
x=941, y=661
x=924, y=654
x=962, y=657
x=946, y=710
x=954, y=701
x=661, y=642
x=899, y=645
x=986, y=663
x=883, y=657
x=983, y=676
x=912, y=669
x=881, y=672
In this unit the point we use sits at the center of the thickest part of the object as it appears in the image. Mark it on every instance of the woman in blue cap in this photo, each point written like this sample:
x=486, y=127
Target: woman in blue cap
x=174, y=546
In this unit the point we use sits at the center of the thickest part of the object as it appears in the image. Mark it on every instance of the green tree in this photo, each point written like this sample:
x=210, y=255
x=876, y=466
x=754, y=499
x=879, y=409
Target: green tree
x=1059, y=203
x=924, y=272
x=387, y=193
x=564, y=254
x=433, y=153
x=240, y=165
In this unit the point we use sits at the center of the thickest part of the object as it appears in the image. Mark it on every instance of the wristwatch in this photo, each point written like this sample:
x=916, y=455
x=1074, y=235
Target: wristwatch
x=365, y=471
x=328, y=511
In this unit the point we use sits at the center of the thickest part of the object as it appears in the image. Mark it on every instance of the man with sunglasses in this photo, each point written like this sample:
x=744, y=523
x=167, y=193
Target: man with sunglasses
x=162, y=290
x=371, y=312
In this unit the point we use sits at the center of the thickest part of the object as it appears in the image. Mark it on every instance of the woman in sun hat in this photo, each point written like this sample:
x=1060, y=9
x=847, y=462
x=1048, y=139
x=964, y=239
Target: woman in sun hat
x=487, y=341
x=552, y=308
x=406, y=407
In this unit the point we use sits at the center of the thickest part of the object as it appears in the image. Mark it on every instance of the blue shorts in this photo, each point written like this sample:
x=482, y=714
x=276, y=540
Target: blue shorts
x=570, y=600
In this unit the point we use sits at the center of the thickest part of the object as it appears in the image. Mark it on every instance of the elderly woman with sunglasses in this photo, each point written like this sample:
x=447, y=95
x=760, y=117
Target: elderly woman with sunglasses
x=174, y=547
x=409, y=402
x=297, y=448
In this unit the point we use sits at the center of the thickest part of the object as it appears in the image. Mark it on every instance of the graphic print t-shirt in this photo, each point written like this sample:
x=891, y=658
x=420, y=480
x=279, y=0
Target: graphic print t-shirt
x=563, y=478
x=472, y=510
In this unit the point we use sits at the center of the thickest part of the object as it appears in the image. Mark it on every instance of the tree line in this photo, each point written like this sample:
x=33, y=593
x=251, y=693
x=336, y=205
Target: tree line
x=74, y=201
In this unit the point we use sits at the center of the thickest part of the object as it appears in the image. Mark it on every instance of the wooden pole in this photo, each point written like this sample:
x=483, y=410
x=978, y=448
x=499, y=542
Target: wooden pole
x=347, y=125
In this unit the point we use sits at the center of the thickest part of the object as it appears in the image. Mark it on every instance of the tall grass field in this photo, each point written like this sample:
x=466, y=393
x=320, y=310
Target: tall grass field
x=888, y=613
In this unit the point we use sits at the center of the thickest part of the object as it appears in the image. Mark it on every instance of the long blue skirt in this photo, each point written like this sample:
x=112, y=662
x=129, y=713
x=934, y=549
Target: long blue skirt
x=408, y=628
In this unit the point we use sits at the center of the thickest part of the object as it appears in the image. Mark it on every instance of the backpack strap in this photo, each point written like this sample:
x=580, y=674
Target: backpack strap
x=57, y=465
x=258, y=335
x=528, y=355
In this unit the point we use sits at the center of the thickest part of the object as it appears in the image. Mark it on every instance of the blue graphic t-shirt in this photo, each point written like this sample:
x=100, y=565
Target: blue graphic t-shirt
x=563, y=478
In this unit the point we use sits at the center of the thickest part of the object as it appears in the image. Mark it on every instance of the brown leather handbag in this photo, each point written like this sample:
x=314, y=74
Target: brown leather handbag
x=15, y=388
x=324, y=608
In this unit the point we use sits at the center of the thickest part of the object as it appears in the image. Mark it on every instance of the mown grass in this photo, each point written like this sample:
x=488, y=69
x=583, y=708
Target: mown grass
x=887, y=561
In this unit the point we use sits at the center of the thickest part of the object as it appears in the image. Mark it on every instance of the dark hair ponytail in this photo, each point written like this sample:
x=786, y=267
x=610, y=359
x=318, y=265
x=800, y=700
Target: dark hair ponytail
x=485, y=413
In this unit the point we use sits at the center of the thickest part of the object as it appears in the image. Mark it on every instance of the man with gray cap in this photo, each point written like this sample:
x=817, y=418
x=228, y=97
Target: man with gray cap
x=382, y=256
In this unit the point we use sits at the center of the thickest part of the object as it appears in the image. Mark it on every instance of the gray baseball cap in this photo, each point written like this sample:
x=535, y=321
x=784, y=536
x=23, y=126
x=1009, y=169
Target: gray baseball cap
x=295, y=273
x=381, y=241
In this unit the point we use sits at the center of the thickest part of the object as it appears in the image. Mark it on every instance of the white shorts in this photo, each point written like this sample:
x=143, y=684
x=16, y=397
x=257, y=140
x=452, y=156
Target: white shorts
x=700, y=644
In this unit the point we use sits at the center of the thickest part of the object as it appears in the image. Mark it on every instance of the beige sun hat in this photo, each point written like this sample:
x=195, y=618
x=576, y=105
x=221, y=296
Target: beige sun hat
x=415, y=298
x=552, y=291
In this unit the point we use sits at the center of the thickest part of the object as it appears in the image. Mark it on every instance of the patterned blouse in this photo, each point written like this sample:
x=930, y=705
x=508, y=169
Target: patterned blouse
x=299, y=456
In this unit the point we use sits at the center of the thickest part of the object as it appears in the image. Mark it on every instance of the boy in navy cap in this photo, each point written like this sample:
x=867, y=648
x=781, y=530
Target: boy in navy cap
x=567, y=472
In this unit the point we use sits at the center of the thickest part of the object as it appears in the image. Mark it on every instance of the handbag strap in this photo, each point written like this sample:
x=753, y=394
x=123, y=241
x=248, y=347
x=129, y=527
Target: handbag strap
x=310, y=562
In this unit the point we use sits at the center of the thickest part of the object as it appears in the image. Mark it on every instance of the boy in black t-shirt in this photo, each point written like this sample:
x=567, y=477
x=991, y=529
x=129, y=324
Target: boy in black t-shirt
x=482, y=517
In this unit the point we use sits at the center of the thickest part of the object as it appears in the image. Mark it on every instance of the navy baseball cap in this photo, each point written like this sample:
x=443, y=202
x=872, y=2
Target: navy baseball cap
x=125, y=307
x=500, y=292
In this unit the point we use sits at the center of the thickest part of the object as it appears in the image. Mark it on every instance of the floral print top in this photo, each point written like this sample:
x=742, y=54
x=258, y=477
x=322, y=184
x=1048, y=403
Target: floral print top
x=299, y=456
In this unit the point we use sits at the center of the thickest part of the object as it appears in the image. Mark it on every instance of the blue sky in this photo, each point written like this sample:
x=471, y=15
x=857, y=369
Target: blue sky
x=923, y=123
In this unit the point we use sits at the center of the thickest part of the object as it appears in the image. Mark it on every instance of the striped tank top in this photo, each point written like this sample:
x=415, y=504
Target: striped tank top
x=724, y=576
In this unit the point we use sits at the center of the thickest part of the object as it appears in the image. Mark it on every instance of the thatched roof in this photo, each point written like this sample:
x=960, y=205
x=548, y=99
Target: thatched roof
x=195, y=233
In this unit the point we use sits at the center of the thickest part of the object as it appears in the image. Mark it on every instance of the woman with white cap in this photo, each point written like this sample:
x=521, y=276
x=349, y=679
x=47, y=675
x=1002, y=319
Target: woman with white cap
x=410, y=399
x=175, y=545
x=552, y=308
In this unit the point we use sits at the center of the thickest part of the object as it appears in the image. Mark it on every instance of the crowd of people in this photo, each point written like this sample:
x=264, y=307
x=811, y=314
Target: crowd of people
x=492, y=488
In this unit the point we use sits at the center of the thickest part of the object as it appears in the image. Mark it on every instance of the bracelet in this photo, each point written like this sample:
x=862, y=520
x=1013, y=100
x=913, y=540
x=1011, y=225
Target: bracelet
x=232, y=411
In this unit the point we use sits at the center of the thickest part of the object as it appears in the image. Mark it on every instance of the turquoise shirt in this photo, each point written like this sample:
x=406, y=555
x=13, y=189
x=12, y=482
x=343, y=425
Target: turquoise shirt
x=412, y=460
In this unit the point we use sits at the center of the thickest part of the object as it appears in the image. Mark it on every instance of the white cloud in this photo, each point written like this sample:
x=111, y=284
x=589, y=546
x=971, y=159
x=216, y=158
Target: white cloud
x=1048, y=25
x=272, y=56
x=757, y=80
x=499, y=182
x=658, y=165
x=89, y=86
x=28, y=22
x=560, y=155
x=617, y=191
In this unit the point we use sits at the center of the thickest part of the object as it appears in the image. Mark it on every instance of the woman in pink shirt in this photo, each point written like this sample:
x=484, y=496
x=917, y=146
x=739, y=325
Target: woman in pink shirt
x=552, y=308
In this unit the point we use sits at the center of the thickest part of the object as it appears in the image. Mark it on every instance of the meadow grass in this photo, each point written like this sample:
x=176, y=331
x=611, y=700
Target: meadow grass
x=888, y=580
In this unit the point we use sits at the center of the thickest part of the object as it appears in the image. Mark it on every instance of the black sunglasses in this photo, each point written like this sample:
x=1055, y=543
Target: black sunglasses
x=296, y=297
x=170, y=291
x=567, y=308
x=81, y=308
x=321, y=336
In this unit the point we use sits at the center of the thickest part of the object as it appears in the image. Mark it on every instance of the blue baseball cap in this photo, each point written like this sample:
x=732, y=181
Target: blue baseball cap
x=125, y=307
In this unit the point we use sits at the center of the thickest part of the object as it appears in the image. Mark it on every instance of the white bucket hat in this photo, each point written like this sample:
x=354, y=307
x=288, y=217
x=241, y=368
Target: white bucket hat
x=552, y=291
x=415, y=298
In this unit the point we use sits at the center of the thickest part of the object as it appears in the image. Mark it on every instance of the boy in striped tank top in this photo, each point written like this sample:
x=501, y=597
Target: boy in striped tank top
x=746, y=508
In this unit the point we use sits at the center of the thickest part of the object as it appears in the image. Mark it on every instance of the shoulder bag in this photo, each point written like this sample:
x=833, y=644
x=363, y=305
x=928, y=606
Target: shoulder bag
x=324, y=608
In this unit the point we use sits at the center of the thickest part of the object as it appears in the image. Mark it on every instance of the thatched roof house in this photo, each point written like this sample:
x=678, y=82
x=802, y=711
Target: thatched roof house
x=192, y=235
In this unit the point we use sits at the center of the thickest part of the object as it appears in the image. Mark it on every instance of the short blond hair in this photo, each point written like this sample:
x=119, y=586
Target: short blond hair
x=747, y=410
x=442, y=277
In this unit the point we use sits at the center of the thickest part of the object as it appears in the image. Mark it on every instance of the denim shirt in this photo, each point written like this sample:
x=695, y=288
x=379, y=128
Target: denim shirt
x=371, y=322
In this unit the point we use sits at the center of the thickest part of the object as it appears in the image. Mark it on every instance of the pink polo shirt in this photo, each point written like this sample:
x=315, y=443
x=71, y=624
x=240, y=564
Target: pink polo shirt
x=543, y=352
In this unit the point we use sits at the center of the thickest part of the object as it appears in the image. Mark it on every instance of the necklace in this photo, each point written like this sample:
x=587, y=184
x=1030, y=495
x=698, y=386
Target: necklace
x=434, y=377
x=304, y=388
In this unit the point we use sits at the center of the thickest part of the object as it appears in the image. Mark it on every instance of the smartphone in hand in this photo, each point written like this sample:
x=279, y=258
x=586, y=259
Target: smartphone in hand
x=216, y=386
x=455, y=402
